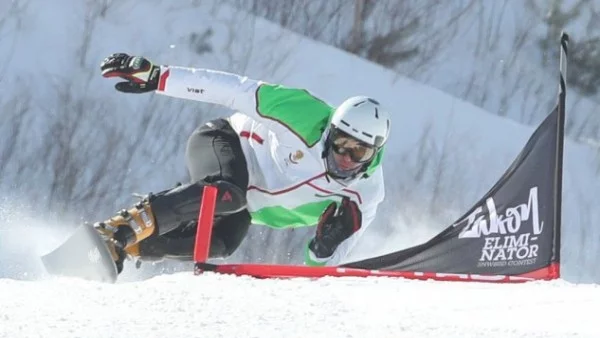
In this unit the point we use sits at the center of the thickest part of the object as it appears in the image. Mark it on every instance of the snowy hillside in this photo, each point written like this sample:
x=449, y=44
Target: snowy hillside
x=498, y=55
x=444, y=153
x=494, y=60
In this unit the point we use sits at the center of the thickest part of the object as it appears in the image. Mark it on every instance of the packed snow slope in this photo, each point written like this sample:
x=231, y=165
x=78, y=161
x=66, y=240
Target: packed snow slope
x=187, y=306
x=443, y=154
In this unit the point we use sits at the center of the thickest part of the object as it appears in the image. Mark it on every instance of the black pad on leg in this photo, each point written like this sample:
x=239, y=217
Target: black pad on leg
x=182, y=204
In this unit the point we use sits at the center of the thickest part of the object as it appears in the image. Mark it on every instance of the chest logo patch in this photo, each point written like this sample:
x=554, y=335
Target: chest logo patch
x=295, y=157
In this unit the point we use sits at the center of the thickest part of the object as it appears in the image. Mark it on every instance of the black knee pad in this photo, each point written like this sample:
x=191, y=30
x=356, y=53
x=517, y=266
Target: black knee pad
x=182, y=204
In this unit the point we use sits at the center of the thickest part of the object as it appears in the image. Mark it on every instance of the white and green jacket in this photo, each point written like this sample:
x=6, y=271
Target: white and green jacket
x=282, y=135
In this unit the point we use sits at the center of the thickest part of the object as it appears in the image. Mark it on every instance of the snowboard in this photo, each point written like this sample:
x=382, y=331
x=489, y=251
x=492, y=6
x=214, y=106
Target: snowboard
x=83, y=255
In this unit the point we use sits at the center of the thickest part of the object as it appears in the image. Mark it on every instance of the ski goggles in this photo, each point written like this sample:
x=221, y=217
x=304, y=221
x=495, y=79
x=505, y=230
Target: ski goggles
x=344, y=144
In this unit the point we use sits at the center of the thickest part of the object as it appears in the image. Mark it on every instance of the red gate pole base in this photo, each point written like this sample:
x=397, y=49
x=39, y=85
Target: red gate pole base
x=200, y=267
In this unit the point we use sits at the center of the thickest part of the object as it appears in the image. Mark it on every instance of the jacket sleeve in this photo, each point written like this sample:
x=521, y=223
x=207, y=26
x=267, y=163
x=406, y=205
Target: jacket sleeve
x=369, y=211
x=211, y=86
x=274, y=105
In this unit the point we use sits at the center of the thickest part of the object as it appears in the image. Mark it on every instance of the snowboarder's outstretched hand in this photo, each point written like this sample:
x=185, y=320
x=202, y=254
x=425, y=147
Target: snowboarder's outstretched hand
x=334, y=228
x=141, y=74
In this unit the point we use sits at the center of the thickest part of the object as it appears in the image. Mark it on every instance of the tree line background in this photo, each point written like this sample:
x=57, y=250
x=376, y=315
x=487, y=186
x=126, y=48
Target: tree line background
x=56, y=161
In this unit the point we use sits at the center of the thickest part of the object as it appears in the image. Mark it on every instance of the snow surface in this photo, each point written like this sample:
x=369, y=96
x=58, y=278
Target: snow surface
x=187, y=306
x=472, y=147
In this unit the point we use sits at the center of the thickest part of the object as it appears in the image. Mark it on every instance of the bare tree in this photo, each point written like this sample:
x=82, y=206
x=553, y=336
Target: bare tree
x=583, y=57
x=10, y=25
x=13, y=130
x=556, y=18
x=79, y=155
x=384, y=32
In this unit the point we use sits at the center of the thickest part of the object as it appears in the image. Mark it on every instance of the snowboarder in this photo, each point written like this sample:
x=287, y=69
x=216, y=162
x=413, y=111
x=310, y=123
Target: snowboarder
x=283, y=159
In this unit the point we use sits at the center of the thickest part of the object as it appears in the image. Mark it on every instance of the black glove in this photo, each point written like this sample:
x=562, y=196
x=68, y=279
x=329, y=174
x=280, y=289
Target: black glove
x=334, y=228
x=141, y=74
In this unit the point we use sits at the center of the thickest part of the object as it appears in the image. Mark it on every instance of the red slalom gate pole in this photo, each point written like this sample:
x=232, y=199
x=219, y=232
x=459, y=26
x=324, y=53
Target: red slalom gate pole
x=204, y=229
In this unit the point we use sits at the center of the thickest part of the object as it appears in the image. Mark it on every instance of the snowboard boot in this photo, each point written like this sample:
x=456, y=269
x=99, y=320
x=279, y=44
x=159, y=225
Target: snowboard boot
x=124, y=230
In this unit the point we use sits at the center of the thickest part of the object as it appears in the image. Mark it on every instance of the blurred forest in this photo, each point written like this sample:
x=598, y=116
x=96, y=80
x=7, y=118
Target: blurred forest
x=76, y=171
x=408, y=35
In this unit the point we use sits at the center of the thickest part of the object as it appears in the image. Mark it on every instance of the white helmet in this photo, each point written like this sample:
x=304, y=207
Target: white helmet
x=359, y=129
x=363, y=118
